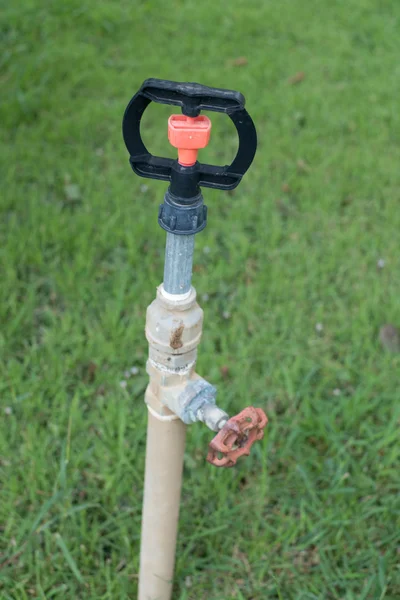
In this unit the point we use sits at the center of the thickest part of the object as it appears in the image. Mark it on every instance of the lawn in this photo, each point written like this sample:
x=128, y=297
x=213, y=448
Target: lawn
x=297, y=271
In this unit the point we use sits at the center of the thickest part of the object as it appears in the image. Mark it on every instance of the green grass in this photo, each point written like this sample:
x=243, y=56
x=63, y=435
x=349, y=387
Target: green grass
x=314, y=513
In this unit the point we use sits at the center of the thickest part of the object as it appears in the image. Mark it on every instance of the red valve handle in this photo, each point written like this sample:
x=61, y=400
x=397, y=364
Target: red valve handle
x=237, y=437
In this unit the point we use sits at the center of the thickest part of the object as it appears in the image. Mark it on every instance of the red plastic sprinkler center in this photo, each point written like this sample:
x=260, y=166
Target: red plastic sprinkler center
x=188, y=134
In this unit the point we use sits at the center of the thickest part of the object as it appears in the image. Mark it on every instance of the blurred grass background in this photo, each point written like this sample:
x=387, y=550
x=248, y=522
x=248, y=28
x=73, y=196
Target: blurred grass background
x=296, y=271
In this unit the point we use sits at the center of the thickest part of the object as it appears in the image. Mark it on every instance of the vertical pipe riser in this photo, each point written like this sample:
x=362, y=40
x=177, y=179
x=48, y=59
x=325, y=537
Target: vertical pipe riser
x=163, y=480
x=178, y=263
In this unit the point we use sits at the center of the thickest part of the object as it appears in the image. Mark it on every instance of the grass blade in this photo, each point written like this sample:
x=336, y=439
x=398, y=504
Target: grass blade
x=68, y=557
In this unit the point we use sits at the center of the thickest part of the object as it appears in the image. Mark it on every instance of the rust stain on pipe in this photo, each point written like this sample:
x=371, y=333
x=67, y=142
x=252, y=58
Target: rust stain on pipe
x=176, y=337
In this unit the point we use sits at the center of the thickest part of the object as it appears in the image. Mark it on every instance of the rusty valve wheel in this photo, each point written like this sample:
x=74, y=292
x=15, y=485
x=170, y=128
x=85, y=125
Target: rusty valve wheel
x=237, y=437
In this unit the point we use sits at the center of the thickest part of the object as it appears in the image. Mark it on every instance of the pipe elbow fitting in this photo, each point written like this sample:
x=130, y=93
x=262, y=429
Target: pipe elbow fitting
x=192, y=400
x=197, y=402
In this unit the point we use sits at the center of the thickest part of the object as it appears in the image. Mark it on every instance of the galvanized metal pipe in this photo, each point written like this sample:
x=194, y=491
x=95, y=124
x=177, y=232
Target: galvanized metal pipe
x=178, y=263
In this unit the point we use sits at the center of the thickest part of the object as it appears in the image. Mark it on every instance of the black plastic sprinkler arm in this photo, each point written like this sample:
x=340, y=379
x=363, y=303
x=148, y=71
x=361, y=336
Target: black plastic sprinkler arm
x=183, y=211
x=192, y=98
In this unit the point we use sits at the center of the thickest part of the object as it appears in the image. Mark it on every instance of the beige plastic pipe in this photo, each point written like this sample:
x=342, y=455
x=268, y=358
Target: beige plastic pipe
x=173, y=330
x=162, y=490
